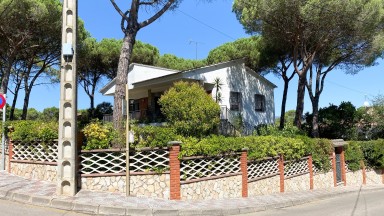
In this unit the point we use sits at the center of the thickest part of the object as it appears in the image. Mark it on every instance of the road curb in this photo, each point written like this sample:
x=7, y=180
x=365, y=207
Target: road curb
x=69, y=205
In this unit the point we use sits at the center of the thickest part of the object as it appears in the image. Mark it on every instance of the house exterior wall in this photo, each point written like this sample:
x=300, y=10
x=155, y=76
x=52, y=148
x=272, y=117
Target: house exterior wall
x=237, y=78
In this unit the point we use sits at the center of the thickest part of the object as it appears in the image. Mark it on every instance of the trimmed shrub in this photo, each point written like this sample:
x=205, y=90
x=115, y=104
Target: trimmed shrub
x=353, y=156
x=150, y=136
x=190, y=110
x=98, y=135
x=27, y=131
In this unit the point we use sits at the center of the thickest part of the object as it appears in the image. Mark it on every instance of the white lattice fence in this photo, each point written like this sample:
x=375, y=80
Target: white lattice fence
x=113, y=161
x=35, y=151
x=102, y=161
x=264, y=168
x=296, y=167
x=145, y=160
x=202, y=167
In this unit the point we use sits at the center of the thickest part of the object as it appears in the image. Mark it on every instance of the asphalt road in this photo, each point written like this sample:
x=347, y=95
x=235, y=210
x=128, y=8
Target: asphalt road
x=367, y=203
x=10, y=208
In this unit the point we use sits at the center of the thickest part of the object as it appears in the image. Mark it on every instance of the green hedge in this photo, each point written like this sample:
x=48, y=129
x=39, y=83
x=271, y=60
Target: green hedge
x=27, y=131
x=258, y=147
x=371, y=152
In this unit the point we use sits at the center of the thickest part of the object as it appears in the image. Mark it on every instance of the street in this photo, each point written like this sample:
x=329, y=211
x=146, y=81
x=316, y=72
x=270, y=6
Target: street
x=10, y=208
x=370, y=203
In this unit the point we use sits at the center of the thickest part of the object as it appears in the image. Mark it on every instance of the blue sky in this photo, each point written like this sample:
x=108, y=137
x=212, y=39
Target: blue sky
x=206, y=25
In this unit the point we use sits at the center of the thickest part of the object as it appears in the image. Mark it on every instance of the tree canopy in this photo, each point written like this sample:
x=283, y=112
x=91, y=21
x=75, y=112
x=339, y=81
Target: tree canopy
x=321, y=35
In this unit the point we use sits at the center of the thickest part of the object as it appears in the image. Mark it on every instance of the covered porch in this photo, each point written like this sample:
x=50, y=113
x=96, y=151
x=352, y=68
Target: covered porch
x=144, y=97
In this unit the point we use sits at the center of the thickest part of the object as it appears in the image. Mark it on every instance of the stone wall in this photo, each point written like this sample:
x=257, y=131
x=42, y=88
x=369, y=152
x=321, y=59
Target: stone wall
x=264, y=186
x=228, y=187
x=156, y=186
x=298, y=183
x=374, y=177
x=354, y=178
x=323, y=180
x=35, y=171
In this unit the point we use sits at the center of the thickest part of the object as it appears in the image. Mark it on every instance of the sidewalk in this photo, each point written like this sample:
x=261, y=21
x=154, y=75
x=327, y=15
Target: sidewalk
x=103, y=203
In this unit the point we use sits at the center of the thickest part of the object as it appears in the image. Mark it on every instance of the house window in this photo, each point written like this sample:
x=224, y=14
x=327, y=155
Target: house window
x=134, y=105
x=235, y=101
x=259, y=103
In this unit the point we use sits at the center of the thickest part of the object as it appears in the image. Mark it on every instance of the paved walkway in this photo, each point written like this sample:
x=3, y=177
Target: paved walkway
x=103, y=203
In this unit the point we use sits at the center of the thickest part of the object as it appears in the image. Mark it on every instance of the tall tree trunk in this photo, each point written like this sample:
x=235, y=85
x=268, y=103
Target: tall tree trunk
x=122, y=78
x=315, y=120
x=283, y=104
x=15, y=96
x=6, y=74
x=300, y=100
x=27, y=93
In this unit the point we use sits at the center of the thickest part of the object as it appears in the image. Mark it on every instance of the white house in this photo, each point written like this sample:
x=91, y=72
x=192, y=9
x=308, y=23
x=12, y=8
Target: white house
x=243, y=91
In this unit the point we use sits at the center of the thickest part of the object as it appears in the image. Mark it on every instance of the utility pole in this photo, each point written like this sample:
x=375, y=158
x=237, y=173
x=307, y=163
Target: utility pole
x=67, y=165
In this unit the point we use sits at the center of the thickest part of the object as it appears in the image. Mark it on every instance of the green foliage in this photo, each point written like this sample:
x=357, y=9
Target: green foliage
x=320, y=149
x=353, y=155
x=173, y=62
x=251, y=49
x=258, y=146
x=27, y=131
x=98, y=135
x=190, y=110
x=150, y=136
x=373, y=152
x=370, y=120
x=50, y=114
x=335, y=122
x=144, y=53
x=289, y=130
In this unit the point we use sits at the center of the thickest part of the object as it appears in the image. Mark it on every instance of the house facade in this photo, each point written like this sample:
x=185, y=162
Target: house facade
x=244, y=93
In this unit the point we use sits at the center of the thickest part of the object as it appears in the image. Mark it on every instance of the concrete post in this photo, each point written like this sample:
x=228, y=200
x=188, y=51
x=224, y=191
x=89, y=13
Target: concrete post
x=67, y=149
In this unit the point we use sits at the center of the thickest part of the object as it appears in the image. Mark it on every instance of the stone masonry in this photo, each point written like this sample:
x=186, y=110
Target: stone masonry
x=35, y=171
x=264, y=186
x=374, y=177
x=323, y=180
x=155, y=186
x=297, y=183
x=228, y=187
x=354, y=178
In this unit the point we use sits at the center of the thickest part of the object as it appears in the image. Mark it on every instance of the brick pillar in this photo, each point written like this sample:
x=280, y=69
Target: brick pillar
x=281, y=171
x=382, y=176
x=364, y=173
x=244, y=172
x=174, y=166
x=10, y=154
x=342, y=158
x=310, y=166
x=334, y=169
